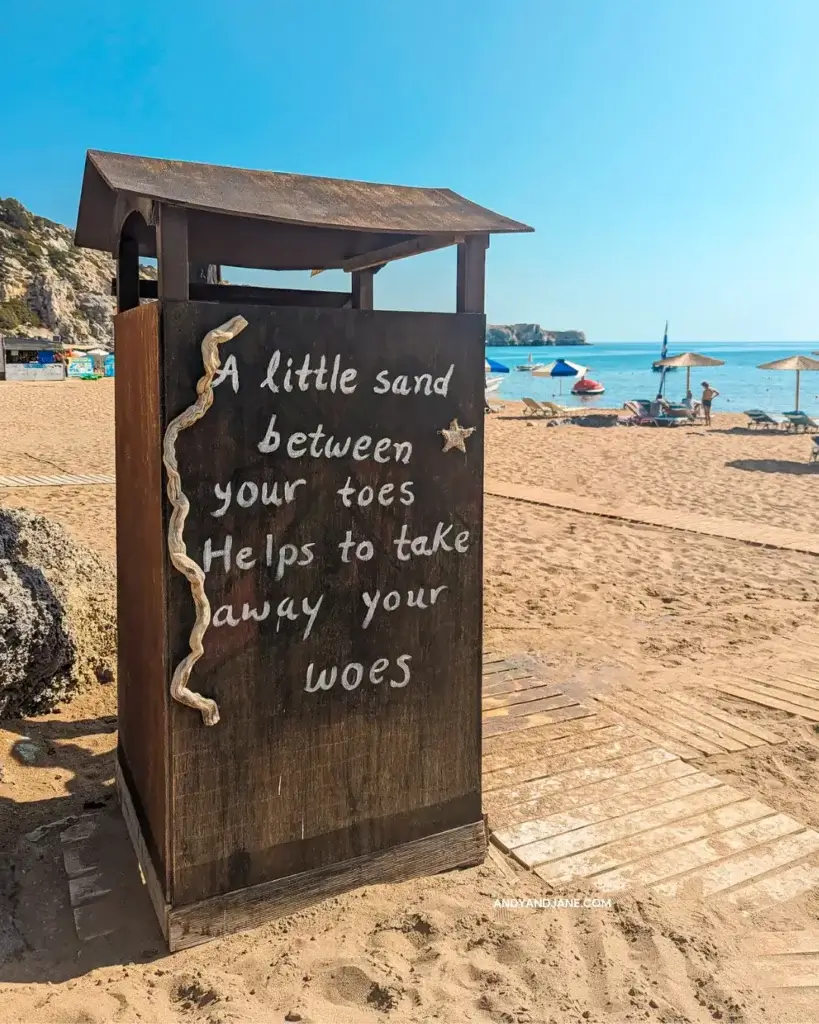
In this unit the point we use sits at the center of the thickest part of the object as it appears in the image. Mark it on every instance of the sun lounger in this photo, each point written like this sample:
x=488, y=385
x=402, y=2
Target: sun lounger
x=558, y=411
x=801, y=421
x=638, y=414
x=814, y=455
x=533, y=408
x=765, y=420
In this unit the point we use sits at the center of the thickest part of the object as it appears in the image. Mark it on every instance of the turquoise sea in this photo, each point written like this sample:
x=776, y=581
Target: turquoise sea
x=625, y=369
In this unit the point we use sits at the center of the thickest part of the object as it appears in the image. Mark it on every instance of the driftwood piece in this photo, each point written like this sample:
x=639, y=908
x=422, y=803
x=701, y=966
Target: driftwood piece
x=192, y=572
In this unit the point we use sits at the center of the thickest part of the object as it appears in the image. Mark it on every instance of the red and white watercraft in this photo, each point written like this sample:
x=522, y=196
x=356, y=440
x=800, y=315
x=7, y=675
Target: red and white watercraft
x=587, y=386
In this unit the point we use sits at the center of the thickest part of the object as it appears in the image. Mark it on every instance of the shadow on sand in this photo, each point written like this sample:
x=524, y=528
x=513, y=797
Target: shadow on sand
x=38, y=933
x=774, y=466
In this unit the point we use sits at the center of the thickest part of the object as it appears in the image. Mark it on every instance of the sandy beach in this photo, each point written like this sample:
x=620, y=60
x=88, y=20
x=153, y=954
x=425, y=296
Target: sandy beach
x=599, y=604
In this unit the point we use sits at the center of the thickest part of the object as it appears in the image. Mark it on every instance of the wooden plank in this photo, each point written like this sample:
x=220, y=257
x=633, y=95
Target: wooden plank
x=781, y=943
x=505, y=700
x=746, y=866
x=541, y=736
x=790, y=973
x=499, y=726
x=574, y=779
x=606, y=789
x=535, y=854
x=127, y=280
x=141, y=573
x=400, y=251
x=784, y=688
x=682, y=749
x=575, y=741
x=471, y=274
x=778, y=888
x=363, y=289
x=248, y=908
x=760, y=697
x=796, y=677
x=590, y=814
x=500, y=665
x=203, y=292
x=143, y=856
x=558, y=763
x=742, y=725
x=79, y=859
x=86, y=888
x=551, y=703
x=718, y=729
x=739, y=827
x=509, y=682
x=612, y=866
x=636, y=707
x=171, y=253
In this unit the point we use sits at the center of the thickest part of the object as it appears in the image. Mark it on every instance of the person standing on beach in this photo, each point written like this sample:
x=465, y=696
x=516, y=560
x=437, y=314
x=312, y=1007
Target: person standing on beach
x=708, y=396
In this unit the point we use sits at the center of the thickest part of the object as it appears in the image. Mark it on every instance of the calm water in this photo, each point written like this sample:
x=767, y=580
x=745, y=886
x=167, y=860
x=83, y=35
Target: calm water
x=625, y=369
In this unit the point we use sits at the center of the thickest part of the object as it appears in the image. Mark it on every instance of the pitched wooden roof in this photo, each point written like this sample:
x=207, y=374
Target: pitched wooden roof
x=286, y=199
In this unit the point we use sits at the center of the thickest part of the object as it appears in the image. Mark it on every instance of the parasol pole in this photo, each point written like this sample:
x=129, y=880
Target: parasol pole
x=796, y=407
x=687, y=380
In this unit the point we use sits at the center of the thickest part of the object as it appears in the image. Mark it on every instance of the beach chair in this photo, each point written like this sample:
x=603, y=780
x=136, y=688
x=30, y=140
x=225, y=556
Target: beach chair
x=635, y=413
x=814, y=454
x=556, y=411
x=533, y=408
x=494, y=406
x=764, y=420
x=801, y=421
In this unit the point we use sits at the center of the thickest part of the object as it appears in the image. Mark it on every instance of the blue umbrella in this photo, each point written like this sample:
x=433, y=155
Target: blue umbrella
x=495, y=367
x=561, y=368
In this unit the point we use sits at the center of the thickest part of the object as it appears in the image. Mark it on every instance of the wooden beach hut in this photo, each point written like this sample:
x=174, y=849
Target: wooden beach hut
x=299, y=519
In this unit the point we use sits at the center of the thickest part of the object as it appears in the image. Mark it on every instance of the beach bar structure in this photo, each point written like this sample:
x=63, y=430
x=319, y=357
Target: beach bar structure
x=31, y=358
x=299, y=530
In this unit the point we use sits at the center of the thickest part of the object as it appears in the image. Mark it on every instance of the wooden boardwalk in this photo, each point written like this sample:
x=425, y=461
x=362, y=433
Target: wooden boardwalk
x=784, y=960
x=687, y=725
x=57, y=480
x=581, y=796
x=758, y=534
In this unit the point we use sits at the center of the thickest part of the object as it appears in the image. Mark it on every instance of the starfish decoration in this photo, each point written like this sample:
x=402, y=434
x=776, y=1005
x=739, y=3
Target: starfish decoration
x=455, y=436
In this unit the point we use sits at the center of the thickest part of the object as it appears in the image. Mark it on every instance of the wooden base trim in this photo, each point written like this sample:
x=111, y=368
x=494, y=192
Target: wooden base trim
x=247, y=908
x=146, y=865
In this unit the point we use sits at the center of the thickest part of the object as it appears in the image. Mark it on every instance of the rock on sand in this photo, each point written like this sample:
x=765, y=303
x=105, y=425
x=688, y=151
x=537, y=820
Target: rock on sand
x=57, y=614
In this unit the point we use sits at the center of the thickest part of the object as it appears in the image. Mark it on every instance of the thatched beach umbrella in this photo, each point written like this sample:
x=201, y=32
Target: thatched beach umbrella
x=689, y=359
x=797, y=363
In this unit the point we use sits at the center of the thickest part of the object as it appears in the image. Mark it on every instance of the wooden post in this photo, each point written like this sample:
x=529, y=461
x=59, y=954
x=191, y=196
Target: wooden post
x=471, y=274
x=363, y=292
x=127, y=270
x=172, y=252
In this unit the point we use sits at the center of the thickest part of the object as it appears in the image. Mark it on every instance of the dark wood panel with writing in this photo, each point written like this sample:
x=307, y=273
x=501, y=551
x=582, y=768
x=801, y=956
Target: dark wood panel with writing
x=142, y=666
x=296, y=776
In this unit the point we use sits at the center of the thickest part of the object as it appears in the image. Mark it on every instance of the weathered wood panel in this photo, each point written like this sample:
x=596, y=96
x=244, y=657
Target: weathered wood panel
x=142, y=664
x=221, y=915
x=292, y=780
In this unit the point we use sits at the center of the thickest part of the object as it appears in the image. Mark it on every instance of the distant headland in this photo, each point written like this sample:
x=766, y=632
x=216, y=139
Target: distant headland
x=530, y=335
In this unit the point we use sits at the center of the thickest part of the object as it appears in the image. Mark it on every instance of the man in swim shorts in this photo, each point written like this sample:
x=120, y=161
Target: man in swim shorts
x=708, y=396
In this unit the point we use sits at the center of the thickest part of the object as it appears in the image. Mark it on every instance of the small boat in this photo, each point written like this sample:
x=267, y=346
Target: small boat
x=492, y=384
x=587, y=386
x=528, y=366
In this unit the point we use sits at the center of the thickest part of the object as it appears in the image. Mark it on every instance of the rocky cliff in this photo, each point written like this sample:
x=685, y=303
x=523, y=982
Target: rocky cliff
x=531, y=334
x=49, y=286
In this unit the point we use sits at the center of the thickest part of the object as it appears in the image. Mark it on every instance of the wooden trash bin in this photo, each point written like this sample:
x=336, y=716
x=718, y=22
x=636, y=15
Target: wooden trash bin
x=299, y=529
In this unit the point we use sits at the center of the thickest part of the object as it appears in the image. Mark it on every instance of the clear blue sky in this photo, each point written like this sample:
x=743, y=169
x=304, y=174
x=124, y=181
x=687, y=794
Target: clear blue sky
x=666, y=151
